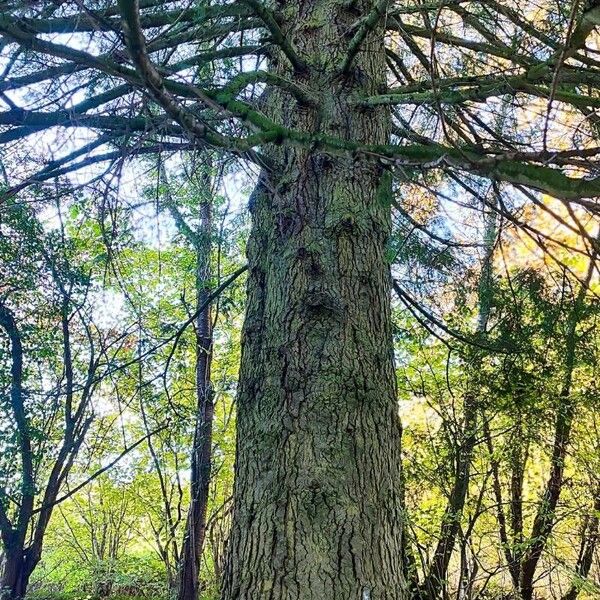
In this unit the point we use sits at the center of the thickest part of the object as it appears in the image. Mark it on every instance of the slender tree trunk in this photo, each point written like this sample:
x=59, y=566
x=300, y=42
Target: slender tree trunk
x=202, y=450
x=18, y=561
x=590, y=536
x=513, y=567
x=436, y=578
x=317, y=498
x=435, y=581
x=545, y=517
x=518, y=452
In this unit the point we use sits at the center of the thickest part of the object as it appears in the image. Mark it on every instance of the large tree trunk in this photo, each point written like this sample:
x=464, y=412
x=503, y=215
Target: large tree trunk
x=317, y=511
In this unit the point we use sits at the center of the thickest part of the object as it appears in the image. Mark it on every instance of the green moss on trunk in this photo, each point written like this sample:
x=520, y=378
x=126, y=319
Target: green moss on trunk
x=317, y=510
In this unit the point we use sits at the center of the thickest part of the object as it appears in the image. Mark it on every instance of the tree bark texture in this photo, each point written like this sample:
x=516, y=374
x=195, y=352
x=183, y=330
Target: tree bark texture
x=317, y=500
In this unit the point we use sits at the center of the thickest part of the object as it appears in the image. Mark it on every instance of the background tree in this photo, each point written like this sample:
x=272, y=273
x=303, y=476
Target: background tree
x=57, y=356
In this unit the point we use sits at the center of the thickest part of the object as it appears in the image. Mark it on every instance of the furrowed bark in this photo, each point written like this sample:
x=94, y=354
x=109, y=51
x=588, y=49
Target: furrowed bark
x=317, y=501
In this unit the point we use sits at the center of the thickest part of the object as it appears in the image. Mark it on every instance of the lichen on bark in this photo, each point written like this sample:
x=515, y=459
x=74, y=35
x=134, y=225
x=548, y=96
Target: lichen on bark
x=317, y=502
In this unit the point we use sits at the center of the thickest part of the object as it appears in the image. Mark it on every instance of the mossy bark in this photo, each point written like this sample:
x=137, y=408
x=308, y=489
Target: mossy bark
x=317, y=503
